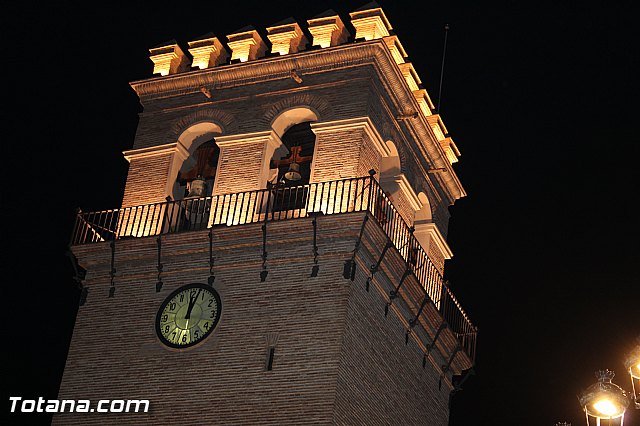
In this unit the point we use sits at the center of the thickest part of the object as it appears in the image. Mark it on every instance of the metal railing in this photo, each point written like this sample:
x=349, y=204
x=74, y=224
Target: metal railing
x=280, y=203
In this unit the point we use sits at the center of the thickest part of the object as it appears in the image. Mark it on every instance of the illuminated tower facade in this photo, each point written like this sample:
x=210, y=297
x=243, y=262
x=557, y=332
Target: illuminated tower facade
x=278, y=255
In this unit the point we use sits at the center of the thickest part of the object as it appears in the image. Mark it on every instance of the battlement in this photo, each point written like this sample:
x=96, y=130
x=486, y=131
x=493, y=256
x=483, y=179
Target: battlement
x=326, y=30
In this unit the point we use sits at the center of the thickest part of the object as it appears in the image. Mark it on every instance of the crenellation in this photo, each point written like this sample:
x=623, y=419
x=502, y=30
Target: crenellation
x=168, y=59
x=410, y=75
x=424, y=102
x=396, y=48
x=207, y=51
x=450, y=149
x=439, y=129
x=370, y=22
x=327, y=29
x=286, y=37
x=246, y=45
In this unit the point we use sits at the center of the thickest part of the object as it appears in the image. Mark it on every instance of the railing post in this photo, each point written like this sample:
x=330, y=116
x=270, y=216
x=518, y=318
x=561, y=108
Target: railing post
x=266, y=213
x=74, y=231
x=372, y=173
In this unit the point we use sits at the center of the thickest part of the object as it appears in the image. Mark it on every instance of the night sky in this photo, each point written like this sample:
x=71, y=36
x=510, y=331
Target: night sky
x=541, y=98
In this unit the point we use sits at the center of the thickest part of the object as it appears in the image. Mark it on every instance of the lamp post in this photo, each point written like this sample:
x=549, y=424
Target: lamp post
x=604, y=401
x=632, y=364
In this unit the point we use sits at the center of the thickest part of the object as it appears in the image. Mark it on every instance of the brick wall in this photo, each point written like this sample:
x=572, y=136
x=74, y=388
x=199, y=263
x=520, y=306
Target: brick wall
x=337, y=155
x=337, y=357
x=435, y=255
x=239, y=168
x=147, y=179
x=381, y=381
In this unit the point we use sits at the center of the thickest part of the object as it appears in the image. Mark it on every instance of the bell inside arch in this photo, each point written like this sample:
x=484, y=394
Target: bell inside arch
x=198, y=188
x=293, y=173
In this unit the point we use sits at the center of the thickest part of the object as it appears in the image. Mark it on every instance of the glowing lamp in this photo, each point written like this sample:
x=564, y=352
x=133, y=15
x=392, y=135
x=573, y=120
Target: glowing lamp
x=632, y=363
x=604, y=400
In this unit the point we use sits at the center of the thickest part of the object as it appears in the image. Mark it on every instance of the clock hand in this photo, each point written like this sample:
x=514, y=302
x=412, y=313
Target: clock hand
x=192, y=302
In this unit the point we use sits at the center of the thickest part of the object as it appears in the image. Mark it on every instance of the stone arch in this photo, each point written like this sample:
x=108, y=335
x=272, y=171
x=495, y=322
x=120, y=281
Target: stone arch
x=292, y=116
x=197, y=133
x=318, y=105
x=424, y=215
x=390, y=165
x=226, y=122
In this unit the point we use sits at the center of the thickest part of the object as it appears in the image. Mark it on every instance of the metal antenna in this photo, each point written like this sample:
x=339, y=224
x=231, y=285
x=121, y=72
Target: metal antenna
x=444, y=51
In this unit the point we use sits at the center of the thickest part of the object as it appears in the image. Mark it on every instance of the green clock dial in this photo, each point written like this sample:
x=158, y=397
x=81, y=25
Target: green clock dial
x=188, y=315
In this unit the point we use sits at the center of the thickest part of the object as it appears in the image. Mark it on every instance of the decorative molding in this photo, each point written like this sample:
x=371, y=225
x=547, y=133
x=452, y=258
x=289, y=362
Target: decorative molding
x=268, y=136
x=405, y=187
x=410, y=75
x=168, y=59
x=286, y=38
x=207, y=52
x=170, y=148
x=424, y=101
x=370, y=23
x=427, y=232
x=221, y=118
x=246, y=45
x=436, y=121
x=327, y=30
x=318, y=104
x=450, y=149
x=395, y=48
x=374, y=52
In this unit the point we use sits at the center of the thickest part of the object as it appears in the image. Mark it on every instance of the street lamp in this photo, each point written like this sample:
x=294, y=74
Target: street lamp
x=604, y=400
x=632, y=364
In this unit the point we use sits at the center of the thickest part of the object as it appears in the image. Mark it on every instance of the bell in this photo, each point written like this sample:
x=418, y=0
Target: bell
x=293, y=173
x=198, y=188
x=194, y=203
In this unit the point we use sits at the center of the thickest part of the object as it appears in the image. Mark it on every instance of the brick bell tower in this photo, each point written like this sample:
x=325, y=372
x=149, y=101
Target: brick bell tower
x=278, y=255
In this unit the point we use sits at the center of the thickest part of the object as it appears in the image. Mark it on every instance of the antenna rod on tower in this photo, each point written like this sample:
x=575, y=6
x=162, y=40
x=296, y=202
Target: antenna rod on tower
x=444, y=51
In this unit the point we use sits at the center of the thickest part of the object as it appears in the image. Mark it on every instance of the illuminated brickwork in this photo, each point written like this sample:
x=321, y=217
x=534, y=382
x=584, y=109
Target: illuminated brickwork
x=338, y=358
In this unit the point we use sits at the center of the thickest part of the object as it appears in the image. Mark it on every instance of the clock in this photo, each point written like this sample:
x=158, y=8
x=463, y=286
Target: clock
x=188, y=315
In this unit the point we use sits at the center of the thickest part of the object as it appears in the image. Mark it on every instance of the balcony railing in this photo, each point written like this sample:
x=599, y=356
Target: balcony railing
x=280, y=203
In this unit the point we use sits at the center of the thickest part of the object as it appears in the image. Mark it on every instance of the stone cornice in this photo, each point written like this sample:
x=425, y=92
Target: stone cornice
x=170, y=148
x=269, y=136
x=374, y=52
x=404, y=186
x=436, y=236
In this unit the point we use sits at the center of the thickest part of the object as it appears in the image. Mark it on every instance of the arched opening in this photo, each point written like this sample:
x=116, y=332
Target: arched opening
x=428, y=235
x=194, y=176
x=290, y=117
x=424, y=214
x=293, y=170
x=198, y=172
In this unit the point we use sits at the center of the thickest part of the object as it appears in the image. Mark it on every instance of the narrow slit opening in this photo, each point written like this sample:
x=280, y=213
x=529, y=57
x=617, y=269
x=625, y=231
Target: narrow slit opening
x=270, y=354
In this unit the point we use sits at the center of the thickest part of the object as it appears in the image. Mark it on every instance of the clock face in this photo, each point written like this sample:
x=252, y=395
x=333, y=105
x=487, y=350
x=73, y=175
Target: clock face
x=188, y=315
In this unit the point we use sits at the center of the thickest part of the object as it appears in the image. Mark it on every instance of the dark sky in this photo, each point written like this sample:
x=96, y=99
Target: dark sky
x=541, y=98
